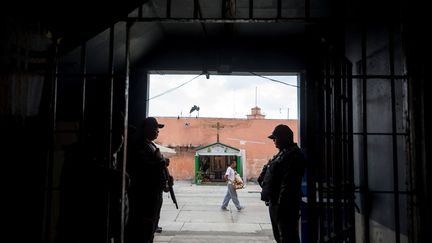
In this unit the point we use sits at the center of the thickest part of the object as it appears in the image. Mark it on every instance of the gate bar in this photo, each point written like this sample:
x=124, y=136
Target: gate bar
x=394, y=138
x=365, y=137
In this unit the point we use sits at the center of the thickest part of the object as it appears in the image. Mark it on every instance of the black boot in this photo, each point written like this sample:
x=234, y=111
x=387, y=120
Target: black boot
x=158, y=229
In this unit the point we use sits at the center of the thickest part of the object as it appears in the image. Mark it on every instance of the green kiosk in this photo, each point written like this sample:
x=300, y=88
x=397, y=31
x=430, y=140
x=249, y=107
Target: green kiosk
x=211, y=162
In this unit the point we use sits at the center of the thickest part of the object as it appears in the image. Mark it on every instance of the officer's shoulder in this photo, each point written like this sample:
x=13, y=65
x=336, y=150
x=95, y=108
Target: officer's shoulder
x=144, y=145
x=293, y=151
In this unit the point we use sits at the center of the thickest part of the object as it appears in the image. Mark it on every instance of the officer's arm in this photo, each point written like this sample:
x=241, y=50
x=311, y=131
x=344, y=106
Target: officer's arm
x=285, y=193
x=293, y=173
x=146, y=156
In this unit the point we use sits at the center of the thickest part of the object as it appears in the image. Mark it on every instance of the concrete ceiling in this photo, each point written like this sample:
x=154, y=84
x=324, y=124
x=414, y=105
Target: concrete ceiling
x=211, y=11
x=73, y=21
x=148, y=34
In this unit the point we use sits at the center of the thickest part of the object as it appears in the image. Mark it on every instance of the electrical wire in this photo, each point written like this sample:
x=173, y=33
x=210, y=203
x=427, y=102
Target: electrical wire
x=172, y=89
x=274, y=80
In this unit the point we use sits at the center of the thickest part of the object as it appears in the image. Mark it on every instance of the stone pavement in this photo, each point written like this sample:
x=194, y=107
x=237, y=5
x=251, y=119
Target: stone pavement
x=200, y=218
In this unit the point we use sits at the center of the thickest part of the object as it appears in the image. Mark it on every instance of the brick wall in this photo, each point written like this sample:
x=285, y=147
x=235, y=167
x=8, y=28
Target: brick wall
x=186, y=134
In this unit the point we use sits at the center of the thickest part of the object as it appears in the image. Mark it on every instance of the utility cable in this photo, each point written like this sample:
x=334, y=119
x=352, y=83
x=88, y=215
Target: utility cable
x=274, y=80
x=172, y=89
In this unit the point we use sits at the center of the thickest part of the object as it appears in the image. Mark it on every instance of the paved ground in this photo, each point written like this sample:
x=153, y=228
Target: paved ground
x=200, y=219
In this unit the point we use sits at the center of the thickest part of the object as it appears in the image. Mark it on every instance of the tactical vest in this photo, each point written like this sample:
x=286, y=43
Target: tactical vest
x=282, y=179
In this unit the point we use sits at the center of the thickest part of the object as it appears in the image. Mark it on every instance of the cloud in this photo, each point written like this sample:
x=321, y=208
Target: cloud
x=222, y=96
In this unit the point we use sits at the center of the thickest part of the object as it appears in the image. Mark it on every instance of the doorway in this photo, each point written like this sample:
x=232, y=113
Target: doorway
x=236, y=112
x=213, y=167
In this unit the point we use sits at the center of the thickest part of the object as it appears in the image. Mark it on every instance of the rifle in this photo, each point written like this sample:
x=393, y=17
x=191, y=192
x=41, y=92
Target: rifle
x=170, y=184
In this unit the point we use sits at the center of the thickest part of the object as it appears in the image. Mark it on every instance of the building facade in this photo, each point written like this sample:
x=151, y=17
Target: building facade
x=187, y=135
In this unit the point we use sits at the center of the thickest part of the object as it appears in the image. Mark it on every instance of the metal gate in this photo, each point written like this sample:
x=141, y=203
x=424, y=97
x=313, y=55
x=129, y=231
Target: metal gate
x=372, y=155
x=73, y=95
x=328, y=133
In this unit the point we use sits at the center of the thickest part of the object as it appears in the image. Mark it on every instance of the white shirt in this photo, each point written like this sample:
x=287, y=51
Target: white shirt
x=231, y=174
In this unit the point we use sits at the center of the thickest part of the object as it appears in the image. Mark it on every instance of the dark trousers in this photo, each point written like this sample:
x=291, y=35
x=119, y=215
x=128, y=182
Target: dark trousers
x=284, y=220
x=143, y=217
x=158, y=213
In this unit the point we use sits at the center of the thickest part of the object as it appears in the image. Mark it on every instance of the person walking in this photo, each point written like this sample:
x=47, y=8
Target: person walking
x=231, y=190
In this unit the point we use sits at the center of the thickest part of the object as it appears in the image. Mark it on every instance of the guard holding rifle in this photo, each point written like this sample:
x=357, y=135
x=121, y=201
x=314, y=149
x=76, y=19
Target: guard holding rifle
x=280, y=180
x=149, y=177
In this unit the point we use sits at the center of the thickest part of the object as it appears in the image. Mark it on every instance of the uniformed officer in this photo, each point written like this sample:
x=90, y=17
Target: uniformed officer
x=146, y=168
x=281, y=185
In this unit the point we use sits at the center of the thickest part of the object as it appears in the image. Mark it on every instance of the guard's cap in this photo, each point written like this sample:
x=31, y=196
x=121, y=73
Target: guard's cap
x=281, y=131
x=152, y=122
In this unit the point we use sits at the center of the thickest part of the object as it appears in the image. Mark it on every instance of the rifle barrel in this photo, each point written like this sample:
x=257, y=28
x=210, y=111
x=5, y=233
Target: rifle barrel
x=173, y=197
x=171, y=189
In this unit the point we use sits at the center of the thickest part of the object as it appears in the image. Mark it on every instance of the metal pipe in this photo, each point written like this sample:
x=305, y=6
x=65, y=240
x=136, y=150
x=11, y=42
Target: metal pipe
x=251, y=6
x=365, y=138
x=195, y=9
x=224, y=9
x=320, y=96
x=391, y=192
x=50, y=163
x=225, y=20
x=375, y=133
x=140, y=11
x=344, y=143
x=110, y=123
x=111, y=89
x=83, y=70
x=279, y=9
x=168, y=9
x=337, y=146
x=125, y=134
x=377, y=76
x=90, y=75
x=198, y=9
x=328, y=142
x=350, y=119
x=394, y=138
x=381, y=133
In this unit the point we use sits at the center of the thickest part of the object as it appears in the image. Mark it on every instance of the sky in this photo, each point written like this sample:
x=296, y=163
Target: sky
x=222, y=96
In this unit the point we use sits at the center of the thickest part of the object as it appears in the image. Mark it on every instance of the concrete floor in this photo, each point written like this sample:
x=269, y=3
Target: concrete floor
x=200, y=219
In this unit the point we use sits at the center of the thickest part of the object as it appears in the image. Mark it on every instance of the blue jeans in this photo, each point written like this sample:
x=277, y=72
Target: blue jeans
x=231, y=194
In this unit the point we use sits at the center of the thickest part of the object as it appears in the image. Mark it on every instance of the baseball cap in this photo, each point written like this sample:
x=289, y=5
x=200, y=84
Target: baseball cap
x=281, y=130
x=152, y=122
